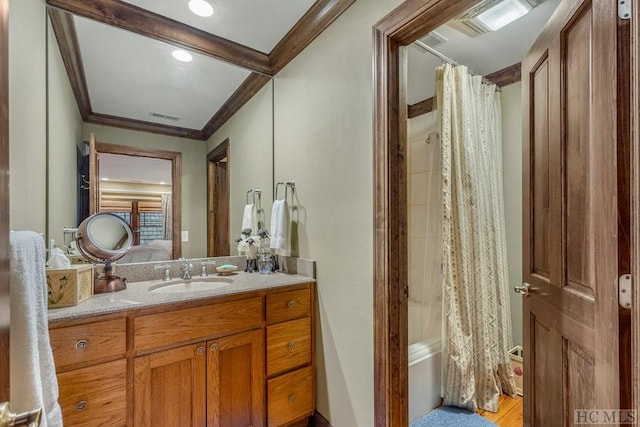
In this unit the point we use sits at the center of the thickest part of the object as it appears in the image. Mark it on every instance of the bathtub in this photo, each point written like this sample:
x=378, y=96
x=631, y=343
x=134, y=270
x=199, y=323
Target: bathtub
x=425, y=367
x=425, y=372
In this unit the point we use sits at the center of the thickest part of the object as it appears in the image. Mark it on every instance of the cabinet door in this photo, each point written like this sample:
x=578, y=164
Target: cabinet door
x=170, y=388
x=236, y=381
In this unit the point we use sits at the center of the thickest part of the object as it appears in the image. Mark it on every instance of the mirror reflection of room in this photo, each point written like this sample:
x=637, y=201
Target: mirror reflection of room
x=138, y=189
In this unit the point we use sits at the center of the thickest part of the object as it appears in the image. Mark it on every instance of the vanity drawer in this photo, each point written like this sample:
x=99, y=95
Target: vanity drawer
x=288, y=345
x=283, y=306
x=88, y=342
x=289, y=397
x=94, y=396
x=179, y=326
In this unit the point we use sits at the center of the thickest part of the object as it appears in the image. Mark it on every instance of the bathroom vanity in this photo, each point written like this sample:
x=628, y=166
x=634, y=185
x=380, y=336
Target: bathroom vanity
x=239, y=354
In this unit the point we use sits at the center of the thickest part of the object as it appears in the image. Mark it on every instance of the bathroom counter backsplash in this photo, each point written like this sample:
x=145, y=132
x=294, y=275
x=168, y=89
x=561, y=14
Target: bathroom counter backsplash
x=138, y=294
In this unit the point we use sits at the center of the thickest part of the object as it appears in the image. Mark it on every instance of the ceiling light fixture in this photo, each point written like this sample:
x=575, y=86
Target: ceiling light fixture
x=503, y=13
x=182, y=55
x=201, y=8
x=104, y=178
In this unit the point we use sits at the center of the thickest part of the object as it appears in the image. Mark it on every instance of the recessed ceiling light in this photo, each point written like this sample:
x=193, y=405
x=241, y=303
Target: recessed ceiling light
x=503, y=14
x=182, y=55
x=162, y=183
x=104, y=178
x=201, y=8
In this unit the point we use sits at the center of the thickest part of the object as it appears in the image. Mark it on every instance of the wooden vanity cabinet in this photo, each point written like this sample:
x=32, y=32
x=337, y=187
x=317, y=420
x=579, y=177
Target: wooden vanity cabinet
x=231, y=362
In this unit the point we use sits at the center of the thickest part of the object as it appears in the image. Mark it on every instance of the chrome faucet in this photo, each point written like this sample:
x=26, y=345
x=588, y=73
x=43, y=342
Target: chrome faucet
x=185, y=268
x=167, y=271
x=203, y=267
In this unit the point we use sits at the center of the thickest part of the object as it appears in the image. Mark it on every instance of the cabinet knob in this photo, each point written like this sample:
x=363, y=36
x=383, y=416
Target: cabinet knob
x=291, y=304
x=292, y=346
x=214, y=347
x=292, y=398
x=81, y=344
x=200, y=350
x=81, y=406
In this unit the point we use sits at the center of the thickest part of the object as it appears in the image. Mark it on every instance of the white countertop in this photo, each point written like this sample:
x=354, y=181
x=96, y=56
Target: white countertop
x=137, y=295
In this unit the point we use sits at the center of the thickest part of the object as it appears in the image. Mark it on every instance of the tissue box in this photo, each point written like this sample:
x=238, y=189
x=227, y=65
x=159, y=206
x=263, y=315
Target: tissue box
x=69, y=286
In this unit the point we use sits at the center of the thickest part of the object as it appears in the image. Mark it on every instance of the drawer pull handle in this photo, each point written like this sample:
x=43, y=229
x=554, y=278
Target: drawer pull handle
x=214, y=347
x=81, y=406
x=292, y=398
x=81, y=344
x=292, y=346
x=200, y=350
x=291, y=304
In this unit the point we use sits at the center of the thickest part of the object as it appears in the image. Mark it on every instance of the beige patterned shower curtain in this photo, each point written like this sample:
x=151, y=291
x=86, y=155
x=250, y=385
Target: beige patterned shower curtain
x=476, y=302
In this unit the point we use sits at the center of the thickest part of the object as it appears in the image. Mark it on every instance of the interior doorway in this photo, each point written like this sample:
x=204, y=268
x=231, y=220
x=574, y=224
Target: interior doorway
x=399, y=28
x=218, y=237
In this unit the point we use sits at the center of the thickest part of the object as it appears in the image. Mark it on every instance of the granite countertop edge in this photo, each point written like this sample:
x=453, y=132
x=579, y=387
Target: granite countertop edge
x=138, y=296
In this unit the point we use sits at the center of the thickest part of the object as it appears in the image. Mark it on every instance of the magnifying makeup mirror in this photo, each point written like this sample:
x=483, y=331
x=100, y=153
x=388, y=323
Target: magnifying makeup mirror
x=105, y=238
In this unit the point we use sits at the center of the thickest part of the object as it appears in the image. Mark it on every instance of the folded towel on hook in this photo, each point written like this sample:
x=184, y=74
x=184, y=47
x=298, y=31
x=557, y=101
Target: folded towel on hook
x=33, y=373
x=280, y=225
x=249, y=218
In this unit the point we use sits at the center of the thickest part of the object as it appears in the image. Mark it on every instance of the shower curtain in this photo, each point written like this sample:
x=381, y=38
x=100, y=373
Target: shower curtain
x=167, y=216
x=476, y=303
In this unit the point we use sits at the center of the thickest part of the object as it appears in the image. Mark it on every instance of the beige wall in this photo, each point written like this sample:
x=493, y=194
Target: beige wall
x=64, y=135
x=250, y=135
x=512, y=184
x=194, y=184
x=27, y=115
x=323, y=105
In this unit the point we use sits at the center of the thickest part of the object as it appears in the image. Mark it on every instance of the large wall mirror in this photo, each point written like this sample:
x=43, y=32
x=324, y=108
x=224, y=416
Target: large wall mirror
x=146, y=100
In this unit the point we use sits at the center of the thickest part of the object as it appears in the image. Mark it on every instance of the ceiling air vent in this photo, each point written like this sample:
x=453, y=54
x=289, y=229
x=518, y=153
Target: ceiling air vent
x=434, y=39
x=164, y=116
x=471, y=24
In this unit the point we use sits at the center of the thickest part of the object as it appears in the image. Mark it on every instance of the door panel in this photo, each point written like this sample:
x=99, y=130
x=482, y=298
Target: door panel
x=570, y=215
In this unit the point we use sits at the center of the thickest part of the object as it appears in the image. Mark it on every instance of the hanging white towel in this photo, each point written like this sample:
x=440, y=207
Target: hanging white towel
x=280, y=225
x=249, y=218
x=33, y=373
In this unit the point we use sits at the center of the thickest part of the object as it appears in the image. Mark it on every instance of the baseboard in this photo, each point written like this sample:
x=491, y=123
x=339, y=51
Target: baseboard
x=317, y=420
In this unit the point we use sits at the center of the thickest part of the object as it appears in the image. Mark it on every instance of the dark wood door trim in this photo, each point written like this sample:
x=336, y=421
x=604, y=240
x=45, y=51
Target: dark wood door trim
x=176, y=181
x=4, y=201
x=222, y=151
x=635, y=205
x=405, y=24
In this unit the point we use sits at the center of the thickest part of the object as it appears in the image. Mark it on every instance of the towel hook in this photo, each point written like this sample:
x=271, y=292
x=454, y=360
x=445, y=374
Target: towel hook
x=287, y=185
x=253, y=192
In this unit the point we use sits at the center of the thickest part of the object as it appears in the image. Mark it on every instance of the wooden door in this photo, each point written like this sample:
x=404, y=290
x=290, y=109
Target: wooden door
x=170, y=388
x=235, y=395
x=94, y=176
x=218, y=170
x=570, y=216
x=221, y=209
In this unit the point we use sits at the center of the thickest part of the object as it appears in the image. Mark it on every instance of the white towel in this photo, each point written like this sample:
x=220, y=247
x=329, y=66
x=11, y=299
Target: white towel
x=249, y=218
x=33, y=373
x=280, y=225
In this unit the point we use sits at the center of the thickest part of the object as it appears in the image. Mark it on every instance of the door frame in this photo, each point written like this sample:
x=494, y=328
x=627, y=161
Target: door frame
x=176, y=182
x=218, y=153
x=402, y=26
x=635, y=206
x=5, y=305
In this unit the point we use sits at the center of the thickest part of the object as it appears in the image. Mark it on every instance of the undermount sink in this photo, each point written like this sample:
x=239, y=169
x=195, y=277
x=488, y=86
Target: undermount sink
x=194, y=285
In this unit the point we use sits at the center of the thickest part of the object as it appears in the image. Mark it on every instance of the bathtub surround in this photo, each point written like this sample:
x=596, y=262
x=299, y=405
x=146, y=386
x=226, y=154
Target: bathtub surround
x=478, y=321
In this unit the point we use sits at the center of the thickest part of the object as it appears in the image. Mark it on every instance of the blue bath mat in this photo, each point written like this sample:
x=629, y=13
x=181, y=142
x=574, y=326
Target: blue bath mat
x=449, y=416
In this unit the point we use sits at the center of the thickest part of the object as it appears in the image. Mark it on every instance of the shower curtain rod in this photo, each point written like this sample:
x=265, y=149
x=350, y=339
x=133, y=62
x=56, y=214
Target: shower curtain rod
x=449, y=60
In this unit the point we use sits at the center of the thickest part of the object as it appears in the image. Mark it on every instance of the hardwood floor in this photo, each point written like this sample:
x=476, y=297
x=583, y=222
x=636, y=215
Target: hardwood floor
x=509, y=412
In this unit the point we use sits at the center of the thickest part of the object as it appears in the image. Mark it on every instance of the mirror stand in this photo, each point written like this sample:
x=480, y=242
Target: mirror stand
x=108, y=282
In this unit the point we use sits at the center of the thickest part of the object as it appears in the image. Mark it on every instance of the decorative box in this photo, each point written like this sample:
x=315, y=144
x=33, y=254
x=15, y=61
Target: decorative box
x=69, y=286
